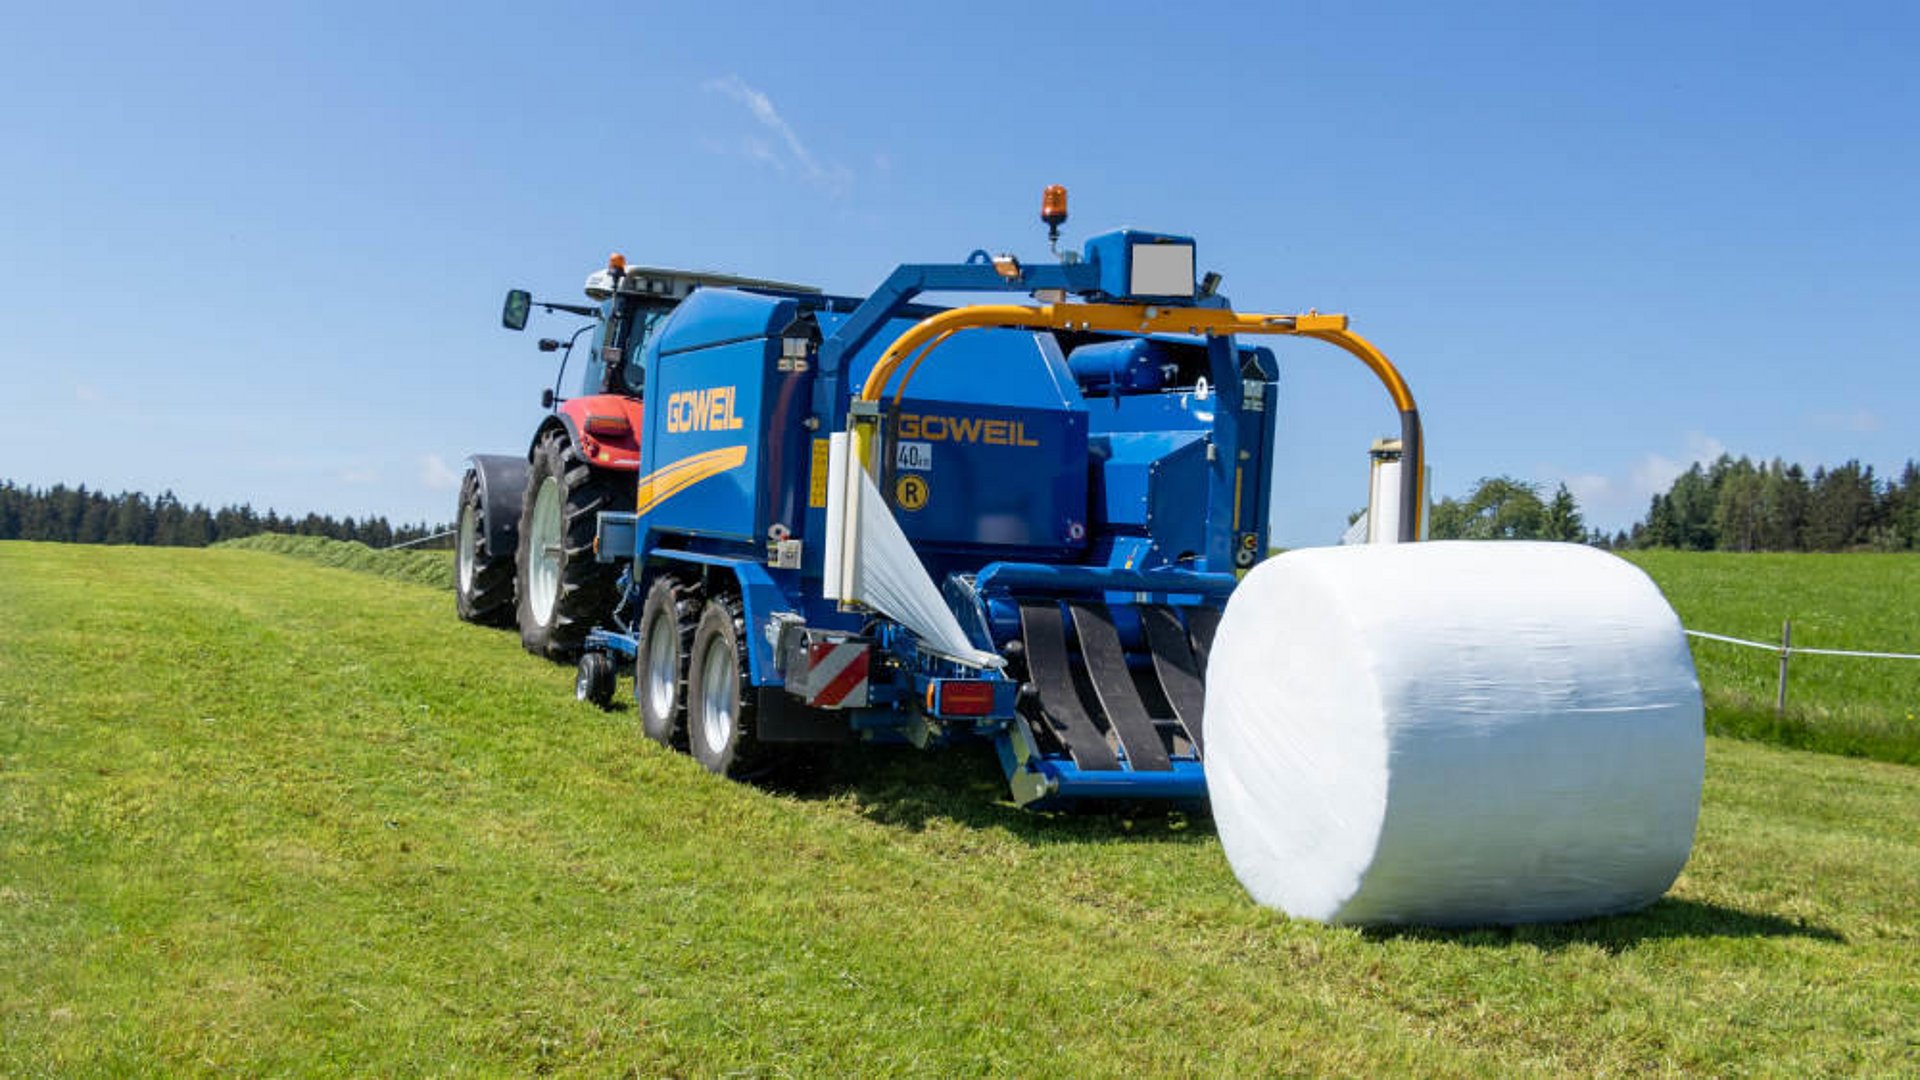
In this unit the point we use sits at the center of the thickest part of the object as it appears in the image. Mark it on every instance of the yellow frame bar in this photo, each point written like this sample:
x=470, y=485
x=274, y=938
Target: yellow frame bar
x=1137, y=319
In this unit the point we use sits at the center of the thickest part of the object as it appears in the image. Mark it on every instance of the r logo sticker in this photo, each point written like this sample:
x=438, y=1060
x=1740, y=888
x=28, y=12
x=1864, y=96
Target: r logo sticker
x=911, y=492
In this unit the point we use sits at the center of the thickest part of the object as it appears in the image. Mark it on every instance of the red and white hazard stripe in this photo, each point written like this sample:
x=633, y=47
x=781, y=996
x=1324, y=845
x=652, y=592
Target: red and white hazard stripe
x=837, y=674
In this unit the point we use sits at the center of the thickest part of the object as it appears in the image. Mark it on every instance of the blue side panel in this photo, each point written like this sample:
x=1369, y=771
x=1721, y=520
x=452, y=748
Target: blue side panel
x=966, y=473
x=710, y=316
x=1177, y=504
x=989, y=443
x=700, y=402
x=716, y=385
x=1124, y=464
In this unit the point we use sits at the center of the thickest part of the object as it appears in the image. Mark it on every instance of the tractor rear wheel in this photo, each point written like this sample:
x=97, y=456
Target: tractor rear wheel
x=667, y=622
x=721, y=729
x=564, y=591
x=483, y=577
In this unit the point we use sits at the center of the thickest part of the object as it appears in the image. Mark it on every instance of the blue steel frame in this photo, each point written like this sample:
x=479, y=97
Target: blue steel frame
x=1046, y=778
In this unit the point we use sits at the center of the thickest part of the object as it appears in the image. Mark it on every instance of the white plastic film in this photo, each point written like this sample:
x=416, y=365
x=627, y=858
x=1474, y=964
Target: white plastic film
x=870, y=561
x=833, y=582
x=1453, y=733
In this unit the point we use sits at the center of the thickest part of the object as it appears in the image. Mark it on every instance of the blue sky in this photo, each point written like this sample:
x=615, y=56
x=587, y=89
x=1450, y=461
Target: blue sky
x=256, y=253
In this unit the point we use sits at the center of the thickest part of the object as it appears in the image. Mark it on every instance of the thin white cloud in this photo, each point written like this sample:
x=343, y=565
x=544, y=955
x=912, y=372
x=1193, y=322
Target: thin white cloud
x=1589, y=489
x=86, y=392
x=1615, y=501
x=435, y=473
x=360, y=477
x=1655, y=473
x=796, y=158
x=1856, y=421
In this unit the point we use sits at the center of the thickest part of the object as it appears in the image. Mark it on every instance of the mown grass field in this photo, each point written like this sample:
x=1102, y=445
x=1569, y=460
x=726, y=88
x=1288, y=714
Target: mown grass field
x=259, y=816
x=1861, y=602
x=402, y=564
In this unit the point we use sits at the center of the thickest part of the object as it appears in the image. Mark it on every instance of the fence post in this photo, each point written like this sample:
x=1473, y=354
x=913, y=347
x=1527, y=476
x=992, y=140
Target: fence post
x=1786, y=650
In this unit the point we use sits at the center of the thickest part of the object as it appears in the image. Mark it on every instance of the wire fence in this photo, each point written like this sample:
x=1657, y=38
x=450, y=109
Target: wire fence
x=1785, y=646
x=1785, y=649
x=421, y=540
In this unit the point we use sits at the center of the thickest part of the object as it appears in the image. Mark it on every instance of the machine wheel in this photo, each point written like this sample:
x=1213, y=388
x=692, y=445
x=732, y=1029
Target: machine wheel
x=667, y=622
x=595, y=679
x=483, y=577
x=563, y=590
x=720, y=705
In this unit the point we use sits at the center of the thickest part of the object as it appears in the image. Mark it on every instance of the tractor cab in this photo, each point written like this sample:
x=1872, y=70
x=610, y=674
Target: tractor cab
x=629, y=303
x=633, y=301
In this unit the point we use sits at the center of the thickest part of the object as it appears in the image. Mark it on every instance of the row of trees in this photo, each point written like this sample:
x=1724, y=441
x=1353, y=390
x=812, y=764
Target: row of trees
x=1503, y=508
x=1740, y=505
x=1734, y=504
x=76, y=515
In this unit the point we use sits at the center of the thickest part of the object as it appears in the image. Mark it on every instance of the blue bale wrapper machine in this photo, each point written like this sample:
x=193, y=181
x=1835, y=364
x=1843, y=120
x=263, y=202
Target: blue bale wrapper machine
x=879, y=519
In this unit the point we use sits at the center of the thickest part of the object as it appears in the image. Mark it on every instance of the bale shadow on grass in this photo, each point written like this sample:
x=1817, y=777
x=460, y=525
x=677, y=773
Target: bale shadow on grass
x=964, y=785
x=1669, y=917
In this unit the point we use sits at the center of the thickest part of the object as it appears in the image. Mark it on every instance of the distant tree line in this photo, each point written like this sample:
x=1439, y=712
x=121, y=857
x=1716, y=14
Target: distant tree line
x=1734, y=504
x=79, y=516
x=1740, y=505
x=1503, y=508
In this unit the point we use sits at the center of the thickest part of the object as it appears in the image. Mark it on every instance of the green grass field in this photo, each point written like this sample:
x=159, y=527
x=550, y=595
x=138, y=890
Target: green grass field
x=1867, y=708
x=259, y=816
x=1857, y=707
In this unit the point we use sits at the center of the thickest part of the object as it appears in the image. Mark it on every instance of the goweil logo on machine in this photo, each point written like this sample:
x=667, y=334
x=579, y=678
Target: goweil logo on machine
x=972, y=429
x=702, y=410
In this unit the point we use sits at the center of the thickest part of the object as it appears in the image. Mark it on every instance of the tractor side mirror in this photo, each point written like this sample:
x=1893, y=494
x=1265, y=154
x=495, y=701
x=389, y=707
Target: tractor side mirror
x=513, y=314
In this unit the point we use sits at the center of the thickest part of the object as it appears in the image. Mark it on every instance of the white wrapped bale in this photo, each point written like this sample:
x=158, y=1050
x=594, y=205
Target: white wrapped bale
x=1453, y=734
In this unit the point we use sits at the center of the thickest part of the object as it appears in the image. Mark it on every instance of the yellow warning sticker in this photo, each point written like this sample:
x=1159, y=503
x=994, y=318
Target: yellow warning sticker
x=911, y=492
x=817, y=484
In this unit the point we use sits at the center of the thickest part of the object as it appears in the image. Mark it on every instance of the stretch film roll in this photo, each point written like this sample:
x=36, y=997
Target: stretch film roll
x=1453, y=734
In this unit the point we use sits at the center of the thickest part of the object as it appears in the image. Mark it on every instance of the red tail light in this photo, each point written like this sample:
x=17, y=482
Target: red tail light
x=960, y=697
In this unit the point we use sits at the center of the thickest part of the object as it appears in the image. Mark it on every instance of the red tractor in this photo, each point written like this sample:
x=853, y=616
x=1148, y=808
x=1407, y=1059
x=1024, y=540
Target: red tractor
x=526, y=524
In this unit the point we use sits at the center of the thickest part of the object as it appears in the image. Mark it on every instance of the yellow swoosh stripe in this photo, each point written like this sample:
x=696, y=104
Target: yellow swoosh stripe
x=664, y=483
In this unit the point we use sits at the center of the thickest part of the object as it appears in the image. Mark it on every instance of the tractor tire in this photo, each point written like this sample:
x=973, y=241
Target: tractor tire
x=721, y=730
x=596, y=679
x=482, y=577
x=667, y=622
x=564, y=591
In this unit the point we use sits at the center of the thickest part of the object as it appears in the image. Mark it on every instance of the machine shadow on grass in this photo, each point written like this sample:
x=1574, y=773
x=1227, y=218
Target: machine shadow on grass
x=1669, y=917
x=908, y=789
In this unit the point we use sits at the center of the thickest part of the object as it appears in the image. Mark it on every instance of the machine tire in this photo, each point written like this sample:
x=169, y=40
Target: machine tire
x=667, y=622
x=721, y=731
x=595, y=680
x=559, y=600
x=482, y=577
